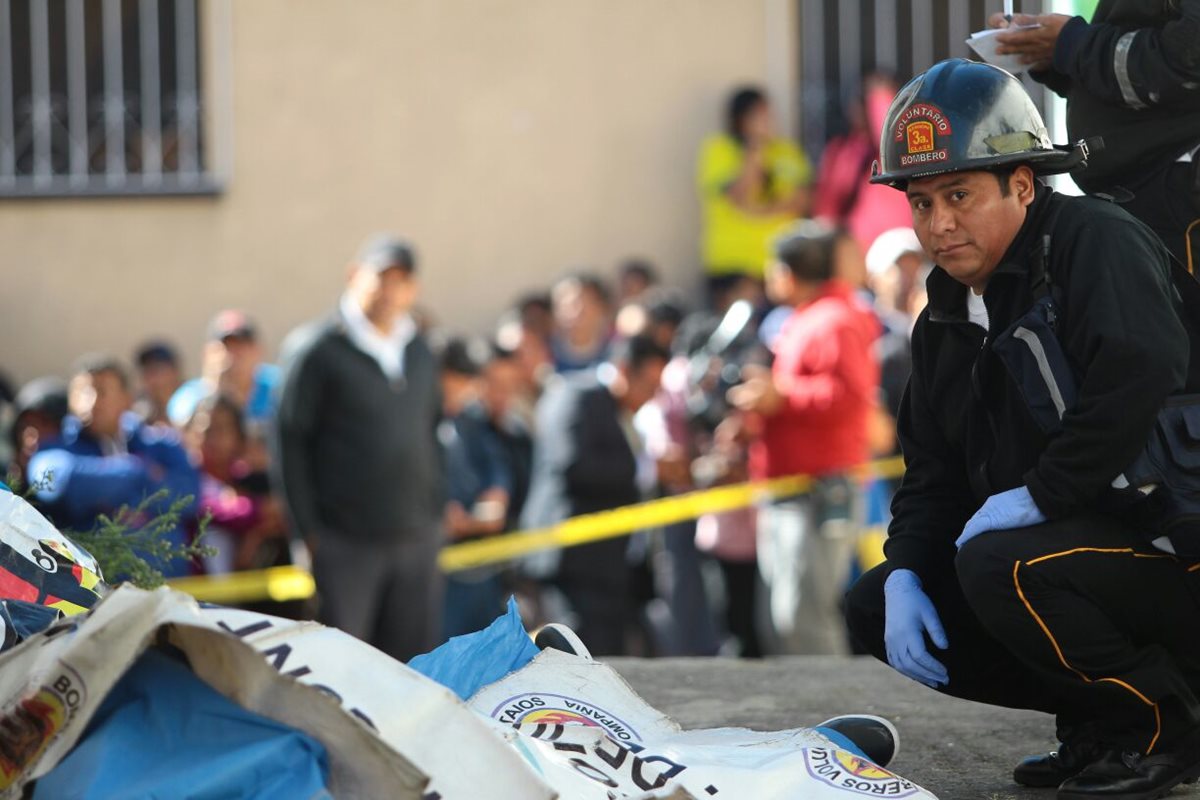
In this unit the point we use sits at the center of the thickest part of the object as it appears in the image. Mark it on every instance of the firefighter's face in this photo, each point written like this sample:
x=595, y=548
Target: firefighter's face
x=966, y=222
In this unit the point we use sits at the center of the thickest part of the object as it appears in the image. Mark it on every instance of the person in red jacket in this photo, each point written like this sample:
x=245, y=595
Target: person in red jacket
x=811, y=415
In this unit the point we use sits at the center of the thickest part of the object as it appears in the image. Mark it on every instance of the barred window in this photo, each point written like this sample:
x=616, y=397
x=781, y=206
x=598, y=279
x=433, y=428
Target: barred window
x=101, y=97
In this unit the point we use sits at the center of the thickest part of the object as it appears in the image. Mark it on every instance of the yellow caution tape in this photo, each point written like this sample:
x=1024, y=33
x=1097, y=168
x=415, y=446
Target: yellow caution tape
x=279, y=584
x=641, y=516
x=870, y=547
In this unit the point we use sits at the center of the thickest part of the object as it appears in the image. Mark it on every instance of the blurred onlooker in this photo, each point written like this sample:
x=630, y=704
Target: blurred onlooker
x=843, y=196
x=586, y=460
x=232, y=364
x=530, y=353
x=240, y=522
x=106, y=458
x=730, y=537
x=159, y=378
x=357, y=456
x=38, y=412
x=508, y=403
x=753, y=184
x=536, y=314
x=635, y=277
x=813, y=409
x=898, y=267
x=479, y=486
x=8, y=395
x=656, y=314
x=583, y=319
x=685, y=626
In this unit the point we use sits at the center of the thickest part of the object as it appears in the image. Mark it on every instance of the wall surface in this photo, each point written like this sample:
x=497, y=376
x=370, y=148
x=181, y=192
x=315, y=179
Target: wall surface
x=510, y=139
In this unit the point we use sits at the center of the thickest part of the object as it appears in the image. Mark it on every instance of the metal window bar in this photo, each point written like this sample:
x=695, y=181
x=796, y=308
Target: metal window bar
x=151, y=101
x=39, y=49
x=908, y=36
x=8, y=143
x=188, y=95
x=114, y=94
x=885, y=36
x=77, y=121
x=814, y=81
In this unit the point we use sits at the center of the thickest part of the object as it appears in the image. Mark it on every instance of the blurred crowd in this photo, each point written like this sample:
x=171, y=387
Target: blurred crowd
x=377, y=437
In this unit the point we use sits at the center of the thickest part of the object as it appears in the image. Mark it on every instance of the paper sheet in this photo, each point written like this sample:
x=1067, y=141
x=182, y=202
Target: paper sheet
x=984, y=44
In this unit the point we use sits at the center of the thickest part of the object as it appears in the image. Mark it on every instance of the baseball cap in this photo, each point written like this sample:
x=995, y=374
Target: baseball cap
x=889, y=246
x=231, y=323
x=384, y=251
x=156, y=352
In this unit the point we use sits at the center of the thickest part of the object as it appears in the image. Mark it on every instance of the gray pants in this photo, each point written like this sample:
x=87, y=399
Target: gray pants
x=388, y=595
x=805, y=548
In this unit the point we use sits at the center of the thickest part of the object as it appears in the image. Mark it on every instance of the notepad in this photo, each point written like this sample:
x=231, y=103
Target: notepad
x=984, y=44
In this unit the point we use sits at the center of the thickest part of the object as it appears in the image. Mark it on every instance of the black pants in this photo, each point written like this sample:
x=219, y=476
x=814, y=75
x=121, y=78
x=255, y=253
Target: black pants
x=596, y=580
x=1169, y=202
x=1078, y=618
x=387, y=594
x=741, y=615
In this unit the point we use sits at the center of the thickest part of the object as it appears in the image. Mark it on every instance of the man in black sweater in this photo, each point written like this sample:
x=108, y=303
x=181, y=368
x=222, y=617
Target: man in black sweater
x=1132, y=77
x=358, y=456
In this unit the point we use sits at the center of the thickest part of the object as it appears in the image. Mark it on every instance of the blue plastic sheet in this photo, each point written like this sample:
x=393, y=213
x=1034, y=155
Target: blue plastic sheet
x=162, y=733
x=466, y=664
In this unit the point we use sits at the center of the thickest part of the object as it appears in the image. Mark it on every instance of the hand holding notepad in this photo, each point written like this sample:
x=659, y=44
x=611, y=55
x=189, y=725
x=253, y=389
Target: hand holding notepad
x=984, y=44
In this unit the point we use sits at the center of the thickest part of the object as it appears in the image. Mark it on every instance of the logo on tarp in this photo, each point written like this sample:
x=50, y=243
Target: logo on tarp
x=855, y=775
x=28, y=727
x=537, y=708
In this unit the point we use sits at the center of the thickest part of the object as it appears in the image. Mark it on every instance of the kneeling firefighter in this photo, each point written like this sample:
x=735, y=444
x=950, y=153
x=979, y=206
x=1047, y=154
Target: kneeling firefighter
x=1034, y=558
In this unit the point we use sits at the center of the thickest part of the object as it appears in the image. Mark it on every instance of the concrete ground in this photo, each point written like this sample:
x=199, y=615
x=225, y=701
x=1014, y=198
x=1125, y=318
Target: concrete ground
x=956, y=749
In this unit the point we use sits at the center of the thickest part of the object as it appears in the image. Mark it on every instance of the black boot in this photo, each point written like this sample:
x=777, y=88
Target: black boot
x=1125, y=775
x=1053, y=768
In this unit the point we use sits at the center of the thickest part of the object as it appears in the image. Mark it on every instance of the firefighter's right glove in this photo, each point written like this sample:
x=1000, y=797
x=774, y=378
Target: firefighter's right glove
x=909, y=615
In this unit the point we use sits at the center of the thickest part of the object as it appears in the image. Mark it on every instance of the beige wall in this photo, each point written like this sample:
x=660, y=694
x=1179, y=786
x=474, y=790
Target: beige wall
x=509, y=138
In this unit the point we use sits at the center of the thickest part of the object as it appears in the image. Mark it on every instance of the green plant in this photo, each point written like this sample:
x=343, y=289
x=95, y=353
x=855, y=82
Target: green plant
x=129, y=544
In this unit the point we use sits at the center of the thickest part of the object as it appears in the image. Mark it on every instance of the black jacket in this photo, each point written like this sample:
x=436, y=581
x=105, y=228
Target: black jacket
x=965, y=429
x=357, y=455
x=582, y=460
x=1133, y=77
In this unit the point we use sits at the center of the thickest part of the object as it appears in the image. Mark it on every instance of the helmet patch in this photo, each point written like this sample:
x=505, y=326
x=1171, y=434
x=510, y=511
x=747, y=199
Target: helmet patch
x=919, y=128
x=920, y=136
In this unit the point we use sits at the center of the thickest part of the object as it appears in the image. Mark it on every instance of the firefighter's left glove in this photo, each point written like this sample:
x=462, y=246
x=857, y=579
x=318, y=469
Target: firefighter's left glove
x=908, y=615
x=1012, y=509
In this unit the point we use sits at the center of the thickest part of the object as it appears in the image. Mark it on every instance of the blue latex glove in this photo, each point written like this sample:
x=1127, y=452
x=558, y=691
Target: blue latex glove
x=908, y=615
x=1012, y=509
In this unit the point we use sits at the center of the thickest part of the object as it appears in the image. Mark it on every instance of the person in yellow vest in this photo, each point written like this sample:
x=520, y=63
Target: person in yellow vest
x=753, y=184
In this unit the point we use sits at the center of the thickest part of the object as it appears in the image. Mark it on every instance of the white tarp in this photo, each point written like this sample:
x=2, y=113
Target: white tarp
x=587, y=721
x=561, y=727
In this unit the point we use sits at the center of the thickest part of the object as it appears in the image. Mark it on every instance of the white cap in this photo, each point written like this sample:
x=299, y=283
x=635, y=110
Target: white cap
x=889, y=246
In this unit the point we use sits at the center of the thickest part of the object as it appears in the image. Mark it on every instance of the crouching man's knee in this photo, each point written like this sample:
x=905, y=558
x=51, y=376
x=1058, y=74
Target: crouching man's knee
x=865, y=611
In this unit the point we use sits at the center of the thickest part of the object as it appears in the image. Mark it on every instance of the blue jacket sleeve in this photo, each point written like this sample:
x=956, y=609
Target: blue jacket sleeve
x=75, y=487
x=176, y=472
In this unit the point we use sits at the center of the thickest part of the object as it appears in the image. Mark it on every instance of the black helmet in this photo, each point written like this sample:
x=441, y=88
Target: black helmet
x=963, y=115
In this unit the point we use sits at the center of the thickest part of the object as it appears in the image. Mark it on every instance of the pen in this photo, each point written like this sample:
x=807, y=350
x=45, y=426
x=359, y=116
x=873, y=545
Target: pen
x=1008, y=10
